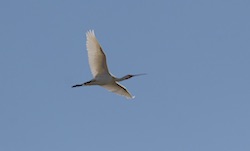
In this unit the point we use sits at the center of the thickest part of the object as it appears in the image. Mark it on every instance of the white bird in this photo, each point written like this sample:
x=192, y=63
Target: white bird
x=99, y=69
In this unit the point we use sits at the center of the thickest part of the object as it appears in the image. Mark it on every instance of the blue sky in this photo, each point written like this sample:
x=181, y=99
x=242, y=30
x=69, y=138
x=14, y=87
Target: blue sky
x=194, y=97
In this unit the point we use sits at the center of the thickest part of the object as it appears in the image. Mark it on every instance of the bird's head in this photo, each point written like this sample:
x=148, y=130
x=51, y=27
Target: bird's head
x=128, y=76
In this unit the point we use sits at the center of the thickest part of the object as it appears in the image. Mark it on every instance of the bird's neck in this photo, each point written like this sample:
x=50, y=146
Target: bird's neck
x=121, y=79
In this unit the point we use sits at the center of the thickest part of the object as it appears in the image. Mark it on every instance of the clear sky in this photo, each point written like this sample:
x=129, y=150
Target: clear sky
x=195, y=96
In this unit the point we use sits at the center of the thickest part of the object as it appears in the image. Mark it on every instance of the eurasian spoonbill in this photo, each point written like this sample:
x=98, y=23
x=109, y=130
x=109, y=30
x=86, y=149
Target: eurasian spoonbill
x=99, y=69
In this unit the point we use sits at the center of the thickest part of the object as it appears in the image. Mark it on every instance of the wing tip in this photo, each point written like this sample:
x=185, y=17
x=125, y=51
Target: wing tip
x=90, y=32
x=130, y=97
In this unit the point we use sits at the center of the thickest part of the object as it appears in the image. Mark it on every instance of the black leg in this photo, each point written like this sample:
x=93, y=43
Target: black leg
x=78, y=85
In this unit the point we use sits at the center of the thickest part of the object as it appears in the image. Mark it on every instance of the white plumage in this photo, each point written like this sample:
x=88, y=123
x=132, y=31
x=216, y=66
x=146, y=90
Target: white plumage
x=99, y=69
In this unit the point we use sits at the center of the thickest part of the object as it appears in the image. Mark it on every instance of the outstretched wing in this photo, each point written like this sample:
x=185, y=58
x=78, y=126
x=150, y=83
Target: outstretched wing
x=97, y=58
x=118, y=89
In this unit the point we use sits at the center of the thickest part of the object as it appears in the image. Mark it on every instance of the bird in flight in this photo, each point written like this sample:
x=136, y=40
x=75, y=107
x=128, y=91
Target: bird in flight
x=99, y=69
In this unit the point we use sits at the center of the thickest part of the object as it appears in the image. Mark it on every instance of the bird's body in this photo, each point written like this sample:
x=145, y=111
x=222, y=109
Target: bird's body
x=99, y=69
x=101, y=80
